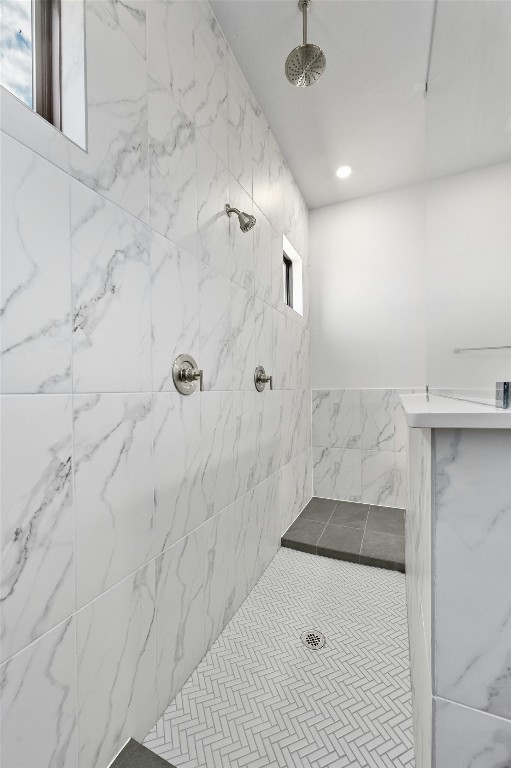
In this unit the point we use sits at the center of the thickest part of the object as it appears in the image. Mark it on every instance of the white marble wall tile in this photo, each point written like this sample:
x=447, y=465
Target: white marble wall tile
x=264, y=317
x=113, y=489
x=178, y=500
x=111, y=296
x=38, y=686
x=377, y=415
x=276, y=185
x=322, y=470
x=345, y=418
x=172, y=168
x=219, y=572
x=37, y=555
x=33, y=131
x=73, y=114
x=378, y=478
x=240, y=125
x=115, y=163
x=292, y=210
x=215, y=329
x=35, y=295
x=245, y=405
x=262, y=256
x=472, y=534
x=268, y=439
x=466, y=738
x=212, y=221
x=260, y=160
x=400, y=479
x=276, y=245
x=294, y=485
x=170, y=53
x=246, y=543
x=116, y=679
x=282, y=329
x=243, y=339
x=321, y=418
x=130, y=15
x=217, y=435
x=401, y=427
x=175, y=308
x=347, y=473
x=210, y=92
x=241, y=243
x=180, y=609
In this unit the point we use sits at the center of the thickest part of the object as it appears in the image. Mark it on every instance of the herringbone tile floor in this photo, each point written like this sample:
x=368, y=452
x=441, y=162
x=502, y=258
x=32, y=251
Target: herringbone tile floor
x=261, y=698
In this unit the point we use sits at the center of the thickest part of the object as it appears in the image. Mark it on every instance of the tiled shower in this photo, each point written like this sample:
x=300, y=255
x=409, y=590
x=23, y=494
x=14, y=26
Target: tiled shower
x=135, y=520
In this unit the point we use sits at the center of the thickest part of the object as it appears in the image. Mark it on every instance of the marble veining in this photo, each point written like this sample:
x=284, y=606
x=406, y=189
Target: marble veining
x=113, y=489
x=116, y=161
x=240, y=125
x=172, y=169
x=175, y=308
x=217, y=428
x=210, y=93
x=180, y=633
x=116, y=680
x=472, y=530
x=377, y=416
x=38, y=688
x=215, y=341
x=111, y=296
x=35, y=303
x=212, y=221
x=466, y=738
x=178, y=501
x=170, y=27
x=37, y=555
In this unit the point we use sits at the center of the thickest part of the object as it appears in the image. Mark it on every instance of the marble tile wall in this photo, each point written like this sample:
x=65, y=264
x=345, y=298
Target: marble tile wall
x=359, y=440
x=472, y=530
x=134, y=520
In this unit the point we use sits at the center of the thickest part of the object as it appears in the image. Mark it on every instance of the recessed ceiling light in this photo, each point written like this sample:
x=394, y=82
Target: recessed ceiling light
x=344, y=171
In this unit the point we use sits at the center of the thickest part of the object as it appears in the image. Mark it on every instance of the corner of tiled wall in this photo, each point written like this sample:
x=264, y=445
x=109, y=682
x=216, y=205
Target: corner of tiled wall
x=135, y=520
x=359, y=446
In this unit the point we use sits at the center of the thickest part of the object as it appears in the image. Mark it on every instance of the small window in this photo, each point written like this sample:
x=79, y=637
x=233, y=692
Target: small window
x=42, y=60
x=287, y=274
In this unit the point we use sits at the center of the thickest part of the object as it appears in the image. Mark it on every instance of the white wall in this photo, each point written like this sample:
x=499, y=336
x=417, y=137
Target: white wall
x=469, y=277
x=367, y=292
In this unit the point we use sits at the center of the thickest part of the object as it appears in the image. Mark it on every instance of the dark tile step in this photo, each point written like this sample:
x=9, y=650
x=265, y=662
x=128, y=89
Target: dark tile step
x=386, y=520
x=319, y=509
x=350, y=513
x=303, y=535
x=135, y=755
x=383, y=550
x=341, y=542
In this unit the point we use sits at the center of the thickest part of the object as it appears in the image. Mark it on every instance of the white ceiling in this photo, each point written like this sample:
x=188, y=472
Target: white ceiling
x=368, y=107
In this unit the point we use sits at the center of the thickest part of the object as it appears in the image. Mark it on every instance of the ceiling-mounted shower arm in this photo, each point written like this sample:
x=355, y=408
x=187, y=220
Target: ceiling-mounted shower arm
x=303, y=5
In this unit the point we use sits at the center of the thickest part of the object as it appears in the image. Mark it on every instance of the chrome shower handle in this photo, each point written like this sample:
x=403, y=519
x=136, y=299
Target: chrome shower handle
x=261, y=379
x=186, y=374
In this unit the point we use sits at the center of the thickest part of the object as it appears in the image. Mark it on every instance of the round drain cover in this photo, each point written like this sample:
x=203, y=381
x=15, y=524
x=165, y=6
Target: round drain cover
x=313, y=639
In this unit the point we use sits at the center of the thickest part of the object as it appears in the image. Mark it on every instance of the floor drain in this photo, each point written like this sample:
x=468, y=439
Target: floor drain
x=313, y=639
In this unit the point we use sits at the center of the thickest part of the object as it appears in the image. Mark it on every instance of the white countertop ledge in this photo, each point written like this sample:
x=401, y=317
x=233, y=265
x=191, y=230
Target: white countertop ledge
x=448, y=413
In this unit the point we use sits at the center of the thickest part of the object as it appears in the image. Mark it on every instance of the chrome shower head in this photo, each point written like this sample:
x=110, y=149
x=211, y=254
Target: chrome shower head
x=306, y=63
x=246, y=220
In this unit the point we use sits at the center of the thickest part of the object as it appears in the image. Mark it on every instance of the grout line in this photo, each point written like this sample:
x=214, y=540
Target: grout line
x=365, y=528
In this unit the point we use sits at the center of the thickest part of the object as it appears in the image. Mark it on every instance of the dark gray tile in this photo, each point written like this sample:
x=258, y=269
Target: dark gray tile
x=303, y=535
x=383, y=550
x=350, y=513
x=386, y=520
x=319, y=509
x=135, y=755
x=341, y=542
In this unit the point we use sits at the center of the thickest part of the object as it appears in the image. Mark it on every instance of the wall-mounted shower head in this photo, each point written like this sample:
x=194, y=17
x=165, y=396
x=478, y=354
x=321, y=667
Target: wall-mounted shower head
x=306, y=63
x=246, y=220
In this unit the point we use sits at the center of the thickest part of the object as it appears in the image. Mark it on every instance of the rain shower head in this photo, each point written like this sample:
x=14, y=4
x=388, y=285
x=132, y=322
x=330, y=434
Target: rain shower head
x=306, y=63
x=245, y=219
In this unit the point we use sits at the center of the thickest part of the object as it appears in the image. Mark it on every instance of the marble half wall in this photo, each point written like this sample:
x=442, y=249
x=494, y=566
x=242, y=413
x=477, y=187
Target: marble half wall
x=359, y=444
x=134, y=521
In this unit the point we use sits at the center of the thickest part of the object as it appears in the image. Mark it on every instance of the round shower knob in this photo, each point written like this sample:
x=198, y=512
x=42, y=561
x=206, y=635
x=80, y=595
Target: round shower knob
x=186, y=374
